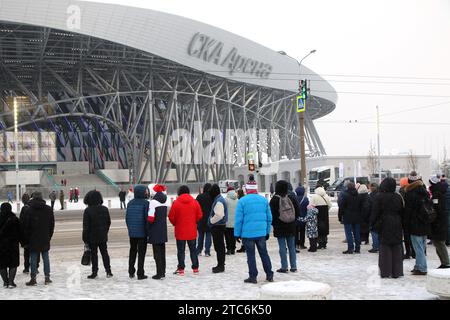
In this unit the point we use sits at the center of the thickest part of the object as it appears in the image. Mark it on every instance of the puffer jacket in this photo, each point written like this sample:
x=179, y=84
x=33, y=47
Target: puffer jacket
x=439, y=227
x=415, y=223
x=137, y=212
x=96, y=224
x=184, y=215
x=232, y=201
x=40, y=226
x=253, y=217
x=323, y=204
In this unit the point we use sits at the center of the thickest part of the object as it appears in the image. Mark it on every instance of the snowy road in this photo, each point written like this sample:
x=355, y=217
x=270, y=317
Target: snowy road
x=351, y=277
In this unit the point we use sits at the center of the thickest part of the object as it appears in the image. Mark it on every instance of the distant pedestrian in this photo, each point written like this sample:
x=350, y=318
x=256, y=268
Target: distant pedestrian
x=312, y=230
x=232, y=201
x=303, y=202
x=9, y=245
x=157, y=228
x=251, y=187
x=10, y=196
x=61, y=199
x=96, y=224
x=386, y=216
x=122, y=197
x=184, y=215
x=40, y=229
x=322, y=202
x=65, y=182
x=204, y=232
x=71, y=195
x=217, y=221
x=439, y=226
x=136, y=220
x=285, y=212
x=62, y=182
x=77, y=194
x=253, y=224
x=52, y=197
x=350, y=215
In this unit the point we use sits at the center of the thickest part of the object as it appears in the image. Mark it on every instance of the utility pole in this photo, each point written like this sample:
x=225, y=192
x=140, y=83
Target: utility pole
x=16, y=149
x=378, y=143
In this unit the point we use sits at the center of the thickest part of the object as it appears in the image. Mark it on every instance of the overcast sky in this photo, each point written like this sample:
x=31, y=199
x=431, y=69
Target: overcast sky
x=399, y=50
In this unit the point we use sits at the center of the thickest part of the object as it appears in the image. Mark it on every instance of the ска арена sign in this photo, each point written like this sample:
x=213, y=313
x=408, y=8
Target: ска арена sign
x=211, y=50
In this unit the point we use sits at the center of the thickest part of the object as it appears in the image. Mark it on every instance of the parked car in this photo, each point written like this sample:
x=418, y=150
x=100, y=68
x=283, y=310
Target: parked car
x=338, y=185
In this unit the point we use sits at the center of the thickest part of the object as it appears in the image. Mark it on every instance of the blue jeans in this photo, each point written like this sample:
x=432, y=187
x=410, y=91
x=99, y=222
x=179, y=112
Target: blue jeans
x=33, y=259
x=206, y=238
x=352, y=233
x=375, y=241
x=260, y=243
x=290, y=243
x=419, y=244
x=181, y=247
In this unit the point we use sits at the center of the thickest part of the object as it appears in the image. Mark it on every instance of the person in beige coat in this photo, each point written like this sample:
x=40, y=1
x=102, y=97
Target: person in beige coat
x=322, y=202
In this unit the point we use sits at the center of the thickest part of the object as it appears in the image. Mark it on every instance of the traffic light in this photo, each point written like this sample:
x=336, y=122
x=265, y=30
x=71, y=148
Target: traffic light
x=251, y=165
x=304, y=89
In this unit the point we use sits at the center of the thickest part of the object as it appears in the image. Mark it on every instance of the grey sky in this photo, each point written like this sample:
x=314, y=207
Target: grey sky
x=391, y=39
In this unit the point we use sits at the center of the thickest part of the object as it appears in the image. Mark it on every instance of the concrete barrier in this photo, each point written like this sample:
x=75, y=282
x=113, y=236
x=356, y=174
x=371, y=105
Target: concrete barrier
x=438, y=283
x=295, y=290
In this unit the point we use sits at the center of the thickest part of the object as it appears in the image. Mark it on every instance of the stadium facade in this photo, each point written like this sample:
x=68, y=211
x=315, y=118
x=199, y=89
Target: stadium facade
x=99, y=82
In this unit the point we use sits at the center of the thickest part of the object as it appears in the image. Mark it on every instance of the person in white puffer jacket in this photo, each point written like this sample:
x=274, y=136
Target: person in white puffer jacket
x=322, y=202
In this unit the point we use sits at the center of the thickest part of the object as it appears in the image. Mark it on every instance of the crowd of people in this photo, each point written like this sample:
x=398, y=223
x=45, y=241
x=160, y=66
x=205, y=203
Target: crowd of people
x=399, y=222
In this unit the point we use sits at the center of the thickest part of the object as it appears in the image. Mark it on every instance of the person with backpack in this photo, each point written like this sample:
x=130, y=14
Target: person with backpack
x=96, y=224
x=184, y=215
x=416, y=197
x=136, y=220
x=285, y=212
x=387, y=218
x=322, y=202
x=204, y=232
x=350, y=214
x=303, y=202
x=9, y=245
x=217, y=222
x=439, y=226
x=311, y=226
x=157, y=228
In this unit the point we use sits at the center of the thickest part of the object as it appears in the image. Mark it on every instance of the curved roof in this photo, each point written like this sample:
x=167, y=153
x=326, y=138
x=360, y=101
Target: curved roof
x=193, y=44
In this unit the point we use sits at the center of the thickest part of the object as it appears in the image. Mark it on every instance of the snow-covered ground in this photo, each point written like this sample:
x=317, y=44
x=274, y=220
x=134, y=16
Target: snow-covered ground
x=350, y=276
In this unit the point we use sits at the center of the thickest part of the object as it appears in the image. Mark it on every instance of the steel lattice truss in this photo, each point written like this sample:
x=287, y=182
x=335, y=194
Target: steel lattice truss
x=109, y=102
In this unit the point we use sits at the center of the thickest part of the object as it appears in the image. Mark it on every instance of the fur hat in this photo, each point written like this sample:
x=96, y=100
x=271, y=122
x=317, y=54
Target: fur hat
x=434, y=179
x=413, y=176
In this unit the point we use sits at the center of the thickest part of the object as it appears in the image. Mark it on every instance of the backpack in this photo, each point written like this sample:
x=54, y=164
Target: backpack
x=286, y=209
x=428, y=211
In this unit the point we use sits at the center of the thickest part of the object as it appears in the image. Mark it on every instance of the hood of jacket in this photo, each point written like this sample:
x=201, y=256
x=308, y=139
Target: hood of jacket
x=139, y=191
x=281, y=188
x=160, y=197
x=363, y=189
x=320, y=191
x=185, y=198
x=290, y=188
x=37, y=203
x=300, y=191
x=413, y=185
x=388, y=185
x=232, y=195
x=352, y=191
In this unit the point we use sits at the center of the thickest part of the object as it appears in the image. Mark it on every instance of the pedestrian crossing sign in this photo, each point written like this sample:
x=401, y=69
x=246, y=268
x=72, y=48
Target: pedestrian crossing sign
x=300, y=104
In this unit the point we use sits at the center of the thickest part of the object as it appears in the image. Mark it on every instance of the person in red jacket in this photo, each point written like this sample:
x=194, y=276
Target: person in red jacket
x=184, y=215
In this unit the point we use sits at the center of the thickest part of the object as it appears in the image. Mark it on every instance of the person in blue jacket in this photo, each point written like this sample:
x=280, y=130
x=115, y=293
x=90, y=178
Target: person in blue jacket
x=303, y=201
x=253, y=223
x=136, y=219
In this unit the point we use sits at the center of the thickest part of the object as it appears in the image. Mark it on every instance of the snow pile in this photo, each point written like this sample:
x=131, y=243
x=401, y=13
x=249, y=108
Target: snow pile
x=296, y=290
x=438, y=283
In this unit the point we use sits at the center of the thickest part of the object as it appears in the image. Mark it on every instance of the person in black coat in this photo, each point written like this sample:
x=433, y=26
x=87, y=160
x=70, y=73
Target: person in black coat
x=375, y=239
x=157, y=229
x=387, y=218
x=40, y=227
x=24, y=237
x=96, y=224
x=439, y=227
x=9, y=245
x=417, y=224
x=350, y=214
x=204, y=232
x=284, y=232
x=363, y=194
x=122, y=197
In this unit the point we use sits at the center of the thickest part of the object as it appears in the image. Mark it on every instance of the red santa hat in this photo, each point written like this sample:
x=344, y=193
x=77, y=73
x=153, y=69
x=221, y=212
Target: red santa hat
x=230, y=189
x=155, y=188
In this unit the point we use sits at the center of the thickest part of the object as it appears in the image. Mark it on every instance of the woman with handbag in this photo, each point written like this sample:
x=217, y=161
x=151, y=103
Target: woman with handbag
x=96, y=223
x=386, y=218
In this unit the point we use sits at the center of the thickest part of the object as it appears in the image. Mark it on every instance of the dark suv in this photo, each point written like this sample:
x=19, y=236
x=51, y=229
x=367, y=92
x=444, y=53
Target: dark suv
x=338, y=185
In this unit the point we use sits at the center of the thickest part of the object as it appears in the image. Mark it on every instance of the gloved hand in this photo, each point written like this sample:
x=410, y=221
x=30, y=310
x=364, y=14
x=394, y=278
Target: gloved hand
x=238, y=239
x=267, y=236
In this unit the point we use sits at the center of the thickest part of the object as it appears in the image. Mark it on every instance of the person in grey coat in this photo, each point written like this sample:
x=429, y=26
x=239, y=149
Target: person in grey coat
x=231, y=200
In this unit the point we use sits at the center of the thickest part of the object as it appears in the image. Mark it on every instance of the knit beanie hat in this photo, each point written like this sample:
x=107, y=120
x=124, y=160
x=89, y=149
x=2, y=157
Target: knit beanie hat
x=434, y=179
x=413, y=176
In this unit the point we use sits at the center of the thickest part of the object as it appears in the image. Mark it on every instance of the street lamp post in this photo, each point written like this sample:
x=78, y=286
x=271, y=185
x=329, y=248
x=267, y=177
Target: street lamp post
x=301, y=124
x=16, y=150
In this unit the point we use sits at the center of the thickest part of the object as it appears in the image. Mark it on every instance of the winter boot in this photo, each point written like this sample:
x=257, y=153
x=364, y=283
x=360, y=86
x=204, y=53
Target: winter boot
x=348, y=252
x=47, y=280
x=142, y=277
x=93, y=275
x=4, y=275
x=218, y=269
x=32, y=282
x=179, y=272
x=251, y=280
x=158, y=277
x=109, y=274
x=12, y=276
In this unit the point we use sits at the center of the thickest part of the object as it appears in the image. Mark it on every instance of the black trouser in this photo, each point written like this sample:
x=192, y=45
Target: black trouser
x=105, y=257
x=26, y=259
x=159, y=254
x=181, y=247
x=323, y=240
x=53, y=204
x=300, y=235
x=123, y=204
x=409, y=250
x=138, y=246
x=217, y=233
x=313, y=244
x=390, y=261
x=230, y=240
x=8, y=275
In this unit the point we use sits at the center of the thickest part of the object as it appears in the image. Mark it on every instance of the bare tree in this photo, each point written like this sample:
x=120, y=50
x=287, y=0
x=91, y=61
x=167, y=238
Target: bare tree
x=412, y=160
x=372, y=160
